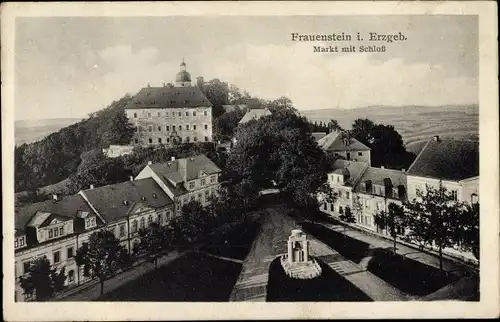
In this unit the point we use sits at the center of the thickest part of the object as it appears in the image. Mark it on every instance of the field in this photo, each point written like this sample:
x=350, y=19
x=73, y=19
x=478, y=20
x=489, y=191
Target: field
x=34, y=130
x=416, y=124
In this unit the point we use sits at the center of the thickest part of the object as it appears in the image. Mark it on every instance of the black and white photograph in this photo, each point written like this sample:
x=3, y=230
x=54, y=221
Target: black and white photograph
x=325, y=157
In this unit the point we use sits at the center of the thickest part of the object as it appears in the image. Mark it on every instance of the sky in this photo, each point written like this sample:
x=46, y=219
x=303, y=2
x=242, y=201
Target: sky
x=68, y=67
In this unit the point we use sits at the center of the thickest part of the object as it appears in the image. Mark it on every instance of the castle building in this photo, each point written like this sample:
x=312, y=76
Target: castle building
x=173, y=113
x=343, y=146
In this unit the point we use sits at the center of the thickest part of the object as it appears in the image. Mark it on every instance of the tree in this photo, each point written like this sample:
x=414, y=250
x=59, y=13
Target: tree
x=393, y=221
x=42, y=280
x=334, y=125
x=295, y=164
x=195, y=223
x=433, y=218
x=348, y=217
x=469, y=236
x=153, y=242
x=101, y=257
x=280, y=105
x=217, y=92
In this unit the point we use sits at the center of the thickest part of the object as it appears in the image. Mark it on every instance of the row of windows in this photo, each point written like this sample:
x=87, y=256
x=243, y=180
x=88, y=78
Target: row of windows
x=197, y=197
x=90, y=222
x=174, y=114
x=203, y=182
x=56, y=232
x=187, y=139
x=167, y=128
x=19, y=242
x=56, y=258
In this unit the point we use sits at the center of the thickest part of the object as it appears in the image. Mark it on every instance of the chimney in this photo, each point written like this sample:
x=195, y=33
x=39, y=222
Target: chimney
x=55, y=197
x=150, y=162
x=131, y=178
x=403, y=170
x=381, y=167
x=91, y=186
x=172, y=159
x=200, y=83
x=436, y=138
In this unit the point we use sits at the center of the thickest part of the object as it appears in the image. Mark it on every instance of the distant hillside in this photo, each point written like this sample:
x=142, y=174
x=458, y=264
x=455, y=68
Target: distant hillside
x=414, y=123
x=28, y=131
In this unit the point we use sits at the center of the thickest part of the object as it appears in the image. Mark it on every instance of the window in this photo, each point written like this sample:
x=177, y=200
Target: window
x=150, y=140
x=340, y=193
x=51, y=234
x=367, y=203
x=206, y=194
x=206, y=127
x=167, y=128
x=331, y=207
x=26, y=267
x=21, y=241
x=347, y=194
x=150, y=220
x=180, y=113
x=56, y=232
x=16, y=244
x=454, y=195
x=57, y=257
x=149, y=115
x=85, y=245
x=173, y=127
x=187, y=113
x=325, y=206
x=158, y=114
x=159, y=128
x=159, y=140
x=198, y=197
x=206, y=138
x=122, y=230
x=195, y=139
x=142, y=222
x=173, y=114
x=360, y=154
x=71, y=275
x=212, y=179
x=150, y=128
x=474, y=198
x=136, y=141
x=166, y=114
x=203, y=182
x=194, y=127
x=187, y=139
x=135, y=115
x=169, y=214
x=194, y=113
x=191, y=185
x=134, y=226
x=61, y=231
x=187, y=127
x=168, y=140
x=205, y=113
x=70, y=252
x=341, y=210
x=180, y=127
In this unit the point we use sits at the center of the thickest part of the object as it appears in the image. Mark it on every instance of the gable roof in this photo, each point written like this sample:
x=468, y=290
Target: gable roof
x=447, y=159
x=318, y=135
x=333, y=142
x=116, y=200
x=379, y=176
x=169, y=97
x=185, y=169
x=68, y=206
x=352, y=169
x=254, y=114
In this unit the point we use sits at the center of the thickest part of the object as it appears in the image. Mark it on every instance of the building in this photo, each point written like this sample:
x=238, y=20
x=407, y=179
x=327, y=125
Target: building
x=55, y=229
x=318, y=135
x=454, y=163
x=254, y=114
x=114, y=151
x=375, y=191
x=341, y=145
x=343, y=179
x=171, y=114
x=183, y=180
x=129, y=206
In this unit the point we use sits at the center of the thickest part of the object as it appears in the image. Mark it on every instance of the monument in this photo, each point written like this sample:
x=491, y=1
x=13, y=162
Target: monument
x=297, y=263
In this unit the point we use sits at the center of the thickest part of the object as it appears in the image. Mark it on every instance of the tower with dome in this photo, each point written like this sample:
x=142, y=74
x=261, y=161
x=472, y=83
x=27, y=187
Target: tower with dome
x=172, y=113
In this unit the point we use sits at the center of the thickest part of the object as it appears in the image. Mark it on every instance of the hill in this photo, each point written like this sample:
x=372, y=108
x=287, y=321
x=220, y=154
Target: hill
x=28, y=131
x=414, y=123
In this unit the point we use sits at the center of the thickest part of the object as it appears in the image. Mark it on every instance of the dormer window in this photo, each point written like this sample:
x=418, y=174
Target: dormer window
x=90, y=222
x=191, y=185
x=125, y=202
x=143, y=198
x=154, y=195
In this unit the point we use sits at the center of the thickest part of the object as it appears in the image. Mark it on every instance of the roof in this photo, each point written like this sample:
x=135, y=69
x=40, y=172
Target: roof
x=109, y=200
x=333, y=142
x=447, y=159
x=379, y=176
x=230, y=108
x=183, y=76
x=254, y=114
x=318, y=135
x=169, y=97
x=353, y=169
x=68, y=206
x=182, y=170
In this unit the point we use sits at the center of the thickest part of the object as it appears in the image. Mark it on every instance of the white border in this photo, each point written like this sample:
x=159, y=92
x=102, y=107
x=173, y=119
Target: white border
x=489, y=169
